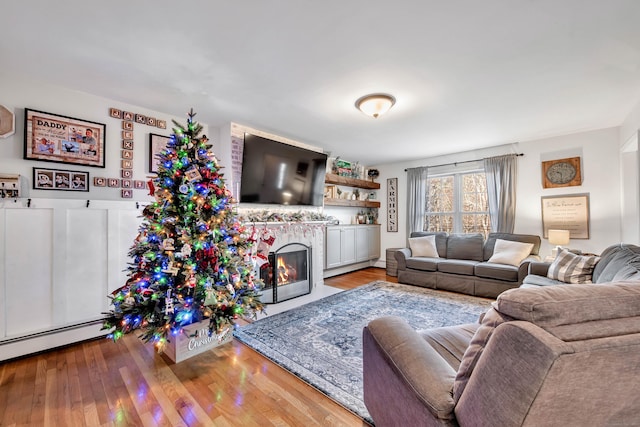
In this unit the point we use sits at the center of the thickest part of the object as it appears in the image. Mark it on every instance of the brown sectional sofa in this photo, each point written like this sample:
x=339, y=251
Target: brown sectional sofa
x=541, y=356
x=462, y=264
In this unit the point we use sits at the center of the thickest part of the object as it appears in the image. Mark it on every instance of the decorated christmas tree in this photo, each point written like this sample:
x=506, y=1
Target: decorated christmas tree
x=191, y=258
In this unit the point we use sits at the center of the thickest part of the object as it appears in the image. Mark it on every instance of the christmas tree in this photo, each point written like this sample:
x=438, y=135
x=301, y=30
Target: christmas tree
x=191, y=258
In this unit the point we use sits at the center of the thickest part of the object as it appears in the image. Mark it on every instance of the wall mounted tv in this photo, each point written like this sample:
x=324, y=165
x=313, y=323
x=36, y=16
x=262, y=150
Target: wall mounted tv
x=281, y=174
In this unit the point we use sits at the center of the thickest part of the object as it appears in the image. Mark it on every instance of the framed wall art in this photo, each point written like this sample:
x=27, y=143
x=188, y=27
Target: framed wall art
x=561, y=173
x=157, y=143
x=392, y=204
x=59, y=179
x=54, y=138
x=566, y=212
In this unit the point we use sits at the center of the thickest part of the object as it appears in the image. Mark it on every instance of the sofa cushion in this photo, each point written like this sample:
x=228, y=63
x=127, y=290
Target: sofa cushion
x=488, y=323
x=465, y=246
x=510, y=252
x=450, y=342
x=612, y=263
x=534, y=279
x=424, y=246
x=457, y=266
x=505, y=272
x=424, y=264
x=572, y=268
x=549, y=306
x=607, y=256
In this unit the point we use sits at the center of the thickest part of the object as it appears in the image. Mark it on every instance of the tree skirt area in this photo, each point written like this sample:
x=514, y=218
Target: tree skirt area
x=321, y=342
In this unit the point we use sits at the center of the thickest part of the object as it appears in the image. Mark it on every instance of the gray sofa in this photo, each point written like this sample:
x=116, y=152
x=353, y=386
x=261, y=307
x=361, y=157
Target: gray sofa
x=462, y=264
x=542, y=356
x=617, y=262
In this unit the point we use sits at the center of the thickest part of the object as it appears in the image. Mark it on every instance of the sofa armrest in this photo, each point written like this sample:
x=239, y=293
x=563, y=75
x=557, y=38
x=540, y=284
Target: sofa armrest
x=401, y=257
x=523, y=268
x=539, y=268
x=406, y=382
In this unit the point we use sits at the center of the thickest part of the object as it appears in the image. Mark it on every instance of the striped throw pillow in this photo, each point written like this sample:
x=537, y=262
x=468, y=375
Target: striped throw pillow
x=571, y=268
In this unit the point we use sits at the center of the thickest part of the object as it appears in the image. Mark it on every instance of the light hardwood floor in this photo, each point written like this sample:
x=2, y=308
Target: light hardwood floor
x=101, y=383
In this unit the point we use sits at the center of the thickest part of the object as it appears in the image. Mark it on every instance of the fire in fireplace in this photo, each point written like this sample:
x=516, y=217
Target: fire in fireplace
x=286, y=275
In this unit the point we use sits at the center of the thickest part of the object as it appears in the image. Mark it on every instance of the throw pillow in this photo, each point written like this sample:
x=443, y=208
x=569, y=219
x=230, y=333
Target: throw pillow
x=571, y=268
x=510, y=252
x=424, y=246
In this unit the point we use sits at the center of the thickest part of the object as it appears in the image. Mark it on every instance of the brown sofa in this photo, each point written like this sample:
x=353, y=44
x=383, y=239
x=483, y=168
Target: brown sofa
x=463, y=264
x=543, y=356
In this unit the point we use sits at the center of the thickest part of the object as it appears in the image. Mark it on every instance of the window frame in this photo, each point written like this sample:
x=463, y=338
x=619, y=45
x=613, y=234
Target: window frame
x=458, y=200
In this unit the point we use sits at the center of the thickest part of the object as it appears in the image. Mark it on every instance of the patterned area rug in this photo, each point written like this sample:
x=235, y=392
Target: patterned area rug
x=321, y=342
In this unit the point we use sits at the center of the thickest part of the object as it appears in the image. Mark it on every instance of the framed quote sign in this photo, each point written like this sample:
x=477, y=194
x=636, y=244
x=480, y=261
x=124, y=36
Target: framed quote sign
x=567, y=212
x=392, y=204
x=54, y=138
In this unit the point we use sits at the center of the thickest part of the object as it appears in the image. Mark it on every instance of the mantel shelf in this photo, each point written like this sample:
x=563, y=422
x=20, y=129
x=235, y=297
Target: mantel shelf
x=353, y=203
x=331, y=178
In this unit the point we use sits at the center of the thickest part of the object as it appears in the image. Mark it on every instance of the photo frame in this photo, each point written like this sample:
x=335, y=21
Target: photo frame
x=566, y=212
x=157, y=143
x=330, y=192
x=60, y=179
x=54, y=138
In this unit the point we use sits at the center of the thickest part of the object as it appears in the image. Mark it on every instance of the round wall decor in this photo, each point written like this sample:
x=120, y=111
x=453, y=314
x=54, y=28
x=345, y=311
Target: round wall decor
x=7, y=122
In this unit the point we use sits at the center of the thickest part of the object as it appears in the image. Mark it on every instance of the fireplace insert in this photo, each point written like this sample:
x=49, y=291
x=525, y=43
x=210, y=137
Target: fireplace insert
x=287, y=274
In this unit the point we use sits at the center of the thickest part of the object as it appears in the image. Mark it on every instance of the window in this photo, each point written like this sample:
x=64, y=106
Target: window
x=458, y=204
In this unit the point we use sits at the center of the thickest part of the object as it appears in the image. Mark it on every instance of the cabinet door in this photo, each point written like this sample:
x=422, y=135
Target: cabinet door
x=374, y=241
x=332, y=257
x=348, y=245
x=362, y=243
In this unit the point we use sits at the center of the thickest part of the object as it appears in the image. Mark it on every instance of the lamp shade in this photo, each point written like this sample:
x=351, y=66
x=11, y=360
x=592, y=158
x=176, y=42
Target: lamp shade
x=559, y=237
x=375, y=104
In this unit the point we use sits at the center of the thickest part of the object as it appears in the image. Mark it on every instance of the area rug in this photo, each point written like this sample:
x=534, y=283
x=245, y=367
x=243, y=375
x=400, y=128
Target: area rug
x=321, y=342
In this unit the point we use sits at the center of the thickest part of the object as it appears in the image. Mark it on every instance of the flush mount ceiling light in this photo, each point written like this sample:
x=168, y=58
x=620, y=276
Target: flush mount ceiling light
x=376, y=104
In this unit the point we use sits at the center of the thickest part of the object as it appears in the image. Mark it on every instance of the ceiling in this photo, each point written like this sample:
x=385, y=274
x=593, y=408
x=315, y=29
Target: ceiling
x=466, y=74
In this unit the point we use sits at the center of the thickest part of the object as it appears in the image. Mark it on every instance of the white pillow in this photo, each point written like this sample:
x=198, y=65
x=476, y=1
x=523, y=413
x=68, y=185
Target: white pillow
x=509, y=252
x=424, y=246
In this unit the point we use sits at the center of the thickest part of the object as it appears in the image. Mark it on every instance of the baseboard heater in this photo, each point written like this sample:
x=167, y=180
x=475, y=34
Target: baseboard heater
x=50, y=339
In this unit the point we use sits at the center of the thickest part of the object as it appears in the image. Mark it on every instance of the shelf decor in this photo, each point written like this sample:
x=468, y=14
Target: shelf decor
x=54, y=138
x=392, y=204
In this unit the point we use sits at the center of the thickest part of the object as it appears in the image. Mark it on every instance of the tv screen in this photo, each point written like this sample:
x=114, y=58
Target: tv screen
x=281, y=174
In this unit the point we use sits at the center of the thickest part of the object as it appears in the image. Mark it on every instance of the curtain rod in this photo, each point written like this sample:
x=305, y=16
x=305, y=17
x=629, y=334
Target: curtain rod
x=459, y=163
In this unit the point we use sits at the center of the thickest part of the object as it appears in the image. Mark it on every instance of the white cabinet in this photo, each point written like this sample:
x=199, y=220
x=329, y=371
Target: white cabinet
x=351, y=244
x=340, y=246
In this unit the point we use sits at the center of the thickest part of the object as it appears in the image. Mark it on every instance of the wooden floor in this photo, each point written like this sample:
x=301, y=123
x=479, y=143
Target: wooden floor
x=102, y=383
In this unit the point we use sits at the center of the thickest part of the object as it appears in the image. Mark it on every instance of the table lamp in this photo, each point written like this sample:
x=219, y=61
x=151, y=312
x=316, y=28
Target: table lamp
x=558, y=238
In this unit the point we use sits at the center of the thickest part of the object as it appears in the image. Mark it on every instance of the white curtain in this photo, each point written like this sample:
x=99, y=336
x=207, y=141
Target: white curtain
x=501, y=172
x=417, y=198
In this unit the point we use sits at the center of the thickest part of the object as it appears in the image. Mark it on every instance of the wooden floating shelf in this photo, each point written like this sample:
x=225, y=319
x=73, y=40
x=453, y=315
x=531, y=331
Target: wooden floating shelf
x=353, y=203
x=351, y=182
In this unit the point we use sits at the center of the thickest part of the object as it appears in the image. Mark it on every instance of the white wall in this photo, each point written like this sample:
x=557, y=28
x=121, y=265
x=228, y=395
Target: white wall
x=18, y=93
x=600, y=171
x=630, y=176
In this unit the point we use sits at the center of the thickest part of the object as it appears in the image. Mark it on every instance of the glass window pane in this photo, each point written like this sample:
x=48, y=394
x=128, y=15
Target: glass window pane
x=472, y=201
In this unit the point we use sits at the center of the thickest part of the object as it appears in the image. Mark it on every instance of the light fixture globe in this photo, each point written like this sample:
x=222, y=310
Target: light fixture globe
x=376, y=104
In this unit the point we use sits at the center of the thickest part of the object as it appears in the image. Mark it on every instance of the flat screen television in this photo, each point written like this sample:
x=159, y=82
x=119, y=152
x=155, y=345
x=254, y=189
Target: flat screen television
x=281, y=174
